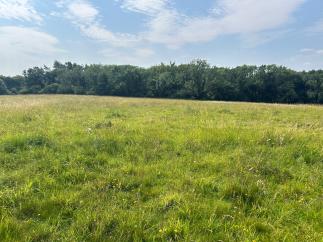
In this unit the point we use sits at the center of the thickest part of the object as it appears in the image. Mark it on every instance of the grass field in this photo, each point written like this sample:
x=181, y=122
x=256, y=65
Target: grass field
x=77, y=168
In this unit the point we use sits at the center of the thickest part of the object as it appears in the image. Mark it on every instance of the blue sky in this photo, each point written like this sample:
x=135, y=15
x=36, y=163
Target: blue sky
x=147, y=32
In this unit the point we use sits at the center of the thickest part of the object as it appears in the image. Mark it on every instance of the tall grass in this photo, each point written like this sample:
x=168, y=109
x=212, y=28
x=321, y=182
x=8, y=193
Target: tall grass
x=117, y=169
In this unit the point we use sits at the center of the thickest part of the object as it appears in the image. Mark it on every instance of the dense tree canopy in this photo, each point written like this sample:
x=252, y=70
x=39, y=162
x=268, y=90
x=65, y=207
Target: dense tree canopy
x=196, y=80
x=3, y=88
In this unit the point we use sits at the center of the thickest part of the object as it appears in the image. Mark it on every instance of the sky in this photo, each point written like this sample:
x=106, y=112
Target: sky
x=147, y=32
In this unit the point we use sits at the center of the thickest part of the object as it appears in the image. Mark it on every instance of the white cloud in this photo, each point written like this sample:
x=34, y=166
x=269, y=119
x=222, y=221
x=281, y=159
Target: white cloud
x=19, y=10
x=310, y=51
x=25, y=47
x=256, y=21
x=249, y=16
x=149, y=7
x=170, y=27
x=82, y=11
x=100, y=33
x=306, y=50
x=87, y=18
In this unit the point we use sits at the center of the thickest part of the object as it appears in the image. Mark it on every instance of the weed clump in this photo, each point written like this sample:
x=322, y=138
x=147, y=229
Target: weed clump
x=248, y=194
x=206, y=187
x=21, y=143
x=279, y=176
x=170, y=201
x=174, y=231
x=308, y=155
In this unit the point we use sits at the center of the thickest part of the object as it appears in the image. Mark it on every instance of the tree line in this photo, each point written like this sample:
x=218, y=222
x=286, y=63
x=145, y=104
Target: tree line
x=196, y=80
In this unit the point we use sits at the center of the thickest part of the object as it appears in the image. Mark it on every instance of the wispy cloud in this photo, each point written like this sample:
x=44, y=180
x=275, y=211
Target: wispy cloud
x=13, y=38
x=87, y=18
x=170, y=27
x=19, y=10
x=25, y=47
x=82, y=12
x=311, y=51
x=149, y=7
x=164, y=30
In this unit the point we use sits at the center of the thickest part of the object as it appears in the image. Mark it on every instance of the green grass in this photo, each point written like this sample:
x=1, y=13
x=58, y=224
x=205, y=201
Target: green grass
x=76, y=168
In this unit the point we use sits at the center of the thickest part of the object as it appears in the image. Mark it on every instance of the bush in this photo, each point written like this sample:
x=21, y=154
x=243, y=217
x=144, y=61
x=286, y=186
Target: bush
x=50, y=89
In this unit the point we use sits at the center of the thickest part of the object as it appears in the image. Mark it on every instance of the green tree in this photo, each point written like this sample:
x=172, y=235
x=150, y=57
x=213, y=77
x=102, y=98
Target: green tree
x=35, y=79
x=102, y=86
x=196, y=80
x=3, y=88
x=199, y=74
x=314, y=86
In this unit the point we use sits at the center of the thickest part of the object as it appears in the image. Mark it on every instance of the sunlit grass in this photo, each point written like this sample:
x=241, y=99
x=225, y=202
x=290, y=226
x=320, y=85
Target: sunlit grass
x=76, y=168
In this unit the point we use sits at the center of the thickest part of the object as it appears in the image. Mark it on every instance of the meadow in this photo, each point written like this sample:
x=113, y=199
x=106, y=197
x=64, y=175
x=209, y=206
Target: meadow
x=84, y=168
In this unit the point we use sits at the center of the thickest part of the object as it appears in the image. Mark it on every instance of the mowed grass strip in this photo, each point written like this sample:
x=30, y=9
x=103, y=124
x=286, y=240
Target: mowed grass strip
x=77, y=168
